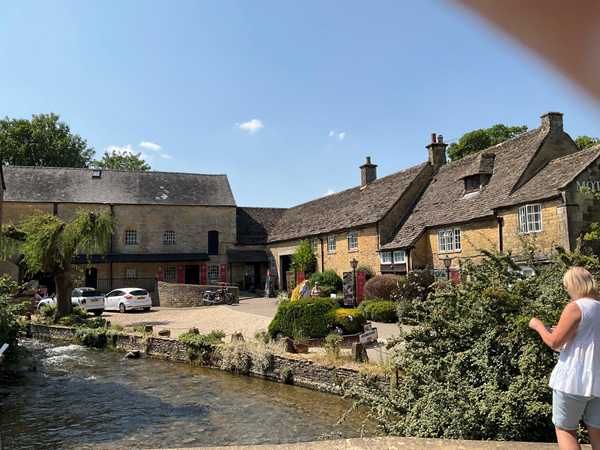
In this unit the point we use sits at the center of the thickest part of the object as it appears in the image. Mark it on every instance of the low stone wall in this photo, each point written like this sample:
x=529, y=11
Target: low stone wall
x=299, y=371
x=188, y=295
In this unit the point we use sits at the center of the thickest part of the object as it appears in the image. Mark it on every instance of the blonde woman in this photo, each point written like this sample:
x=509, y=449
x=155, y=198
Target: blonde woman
x=576, y=378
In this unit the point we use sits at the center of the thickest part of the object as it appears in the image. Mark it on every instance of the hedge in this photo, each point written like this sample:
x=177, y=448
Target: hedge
x=351, y=320
x=307, y=317
x=382, y=312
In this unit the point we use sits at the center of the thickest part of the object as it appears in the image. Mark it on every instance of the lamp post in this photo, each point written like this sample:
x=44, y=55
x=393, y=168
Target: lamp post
x=447, y=262
x=354, y=264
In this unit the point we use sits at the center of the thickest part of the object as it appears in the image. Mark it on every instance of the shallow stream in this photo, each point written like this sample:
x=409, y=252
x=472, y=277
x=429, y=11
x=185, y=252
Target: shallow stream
x=81, y=398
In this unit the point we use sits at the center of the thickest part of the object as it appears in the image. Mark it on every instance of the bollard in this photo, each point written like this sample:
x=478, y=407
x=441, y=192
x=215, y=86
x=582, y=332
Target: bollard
x=359, y=352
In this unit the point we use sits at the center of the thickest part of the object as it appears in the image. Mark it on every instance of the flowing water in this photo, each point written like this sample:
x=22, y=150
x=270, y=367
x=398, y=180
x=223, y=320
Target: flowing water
x=81, y=398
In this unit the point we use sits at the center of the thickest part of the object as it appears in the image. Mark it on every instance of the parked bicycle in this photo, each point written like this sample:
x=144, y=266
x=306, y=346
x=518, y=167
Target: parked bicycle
x=218, y=296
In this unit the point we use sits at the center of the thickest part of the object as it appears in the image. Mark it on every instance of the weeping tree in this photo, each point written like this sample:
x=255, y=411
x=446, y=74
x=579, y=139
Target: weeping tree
x=49, y=244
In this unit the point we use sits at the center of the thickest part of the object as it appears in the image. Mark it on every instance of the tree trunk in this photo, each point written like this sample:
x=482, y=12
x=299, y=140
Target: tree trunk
x=64, y=286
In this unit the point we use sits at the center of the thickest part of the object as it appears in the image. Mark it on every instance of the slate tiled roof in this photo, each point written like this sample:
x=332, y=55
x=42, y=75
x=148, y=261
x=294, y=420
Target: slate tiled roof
x=69, y=185
x=348, y=209
x=254, y=224
x=247, y=256
x=559, y=172
x=442, y=202
x=482, y=164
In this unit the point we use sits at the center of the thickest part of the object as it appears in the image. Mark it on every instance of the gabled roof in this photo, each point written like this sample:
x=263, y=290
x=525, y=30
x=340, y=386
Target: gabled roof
x=255, y=224
x=443, y=202
x=348, y=209
x=70, y=185
x=557, y=174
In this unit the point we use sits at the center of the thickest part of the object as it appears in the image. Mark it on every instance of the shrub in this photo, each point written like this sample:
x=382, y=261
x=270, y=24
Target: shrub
x=473, y=369
x=381, y=286
x=405, y=311
x=98, y=322
x=48, y=311
x=351, y=320
x=282, y=297
x=296, y=292
x=199, y=346
x=329, y=279
x=78, y=312
x=241, y=356
x=332, y=346
x=416, y=286
x=94, y=337
x=116, y=327
x=363, y=306
x=384, y=311
x=307, y=316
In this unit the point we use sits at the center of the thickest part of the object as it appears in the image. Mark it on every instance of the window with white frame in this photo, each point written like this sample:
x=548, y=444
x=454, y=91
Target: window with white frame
x=530, y=218
x=399, y=257
x=331, y=243
x=315, y=243
x=213, y=273
x=353, y=240
x=386, y=258
x=527, y=271
x=131, y=236
x=169, y=237
x=169, y=274
x=130, y=273
x=449, y=240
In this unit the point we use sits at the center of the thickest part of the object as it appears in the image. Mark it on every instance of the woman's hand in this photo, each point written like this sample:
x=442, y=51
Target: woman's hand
x=535, y=323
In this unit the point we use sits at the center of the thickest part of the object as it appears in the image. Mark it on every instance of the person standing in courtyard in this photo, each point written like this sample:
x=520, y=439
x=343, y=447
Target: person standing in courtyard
x=304, y=290
x=316, y=291
x=576, y=378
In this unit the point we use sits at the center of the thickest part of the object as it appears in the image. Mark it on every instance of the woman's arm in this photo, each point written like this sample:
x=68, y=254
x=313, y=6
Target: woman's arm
x=569, y=320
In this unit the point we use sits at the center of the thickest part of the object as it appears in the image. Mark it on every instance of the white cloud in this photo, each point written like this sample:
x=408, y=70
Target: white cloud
x=162, y=155
x=252, y=126
x=125, y=150
x=150, y=146
x=329, y=192
x=339, y=136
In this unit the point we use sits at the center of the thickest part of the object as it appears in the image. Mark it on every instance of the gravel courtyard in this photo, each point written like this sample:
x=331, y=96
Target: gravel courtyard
x=205, y=318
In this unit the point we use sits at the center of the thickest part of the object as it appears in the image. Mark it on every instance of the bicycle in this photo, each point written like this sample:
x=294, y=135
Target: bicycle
x=217, y=297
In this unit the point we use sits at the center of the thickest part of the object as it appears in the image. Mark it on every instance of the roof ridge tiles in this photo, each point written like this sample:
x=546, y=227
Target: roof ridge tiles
x=113, y=170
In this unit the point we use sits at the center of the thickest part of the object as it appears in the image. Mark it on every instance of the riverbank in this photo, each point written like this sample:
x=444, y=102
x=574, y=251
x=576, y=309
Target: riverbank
x=283, y=368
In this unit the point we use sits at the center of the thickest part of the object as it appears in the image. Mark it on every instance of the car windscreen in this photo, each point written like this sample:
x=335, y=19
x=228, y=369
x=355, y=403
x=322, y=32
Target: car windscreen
x=91, y=294
x=139, y=292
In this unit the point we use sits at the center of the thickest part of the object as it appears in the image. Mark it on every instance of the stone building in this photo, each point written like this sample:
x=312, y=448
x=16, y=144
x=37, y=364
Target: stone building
x=525, y=189
x=176, y=227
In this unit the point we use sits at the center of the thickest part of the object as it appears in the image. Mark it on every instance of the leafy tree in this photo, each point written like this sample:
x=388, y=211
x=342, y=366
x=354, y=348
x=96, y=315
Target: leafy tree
x=305, y=257
x=11, y=326
x=584, y=142
x=118, y=161
x=48, y=245
x=478, y=140
x=472, y=368
x=42, y=141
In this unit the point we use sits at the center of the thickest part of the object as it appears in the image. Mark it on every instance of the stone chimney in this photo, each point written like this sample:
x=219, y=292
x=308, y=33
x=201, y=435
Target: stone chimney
x=368, y=173
x=553, y=121
x=437, y=151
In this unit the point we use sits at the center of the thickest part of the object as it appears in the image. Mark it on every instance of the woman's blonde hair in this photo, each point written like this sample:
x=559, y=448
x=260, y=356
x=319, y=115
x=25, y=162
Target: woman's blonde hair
x=581, y=283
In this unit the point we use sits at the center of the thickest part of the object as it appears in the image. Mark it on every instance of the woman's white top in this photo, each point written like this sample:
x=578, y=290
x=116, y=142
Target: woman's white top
x=578, y=368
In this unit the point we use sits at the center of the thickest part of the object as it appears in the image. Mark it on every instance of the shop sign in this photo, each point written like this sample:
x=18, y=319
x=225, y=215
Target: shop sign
x=300, y=277
x=159, y=273
x=348, y=294
x=291, y=281
x=223, y=273
x=368, y=336
x=588, y=184
x=360, y=286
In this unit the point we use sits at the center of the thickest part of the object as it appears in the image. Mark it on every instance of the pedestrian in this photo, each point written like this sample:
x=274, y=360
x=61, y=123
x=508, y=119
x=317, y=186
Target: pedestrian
x=304, y=290
x=576, y=378
x=316, y=291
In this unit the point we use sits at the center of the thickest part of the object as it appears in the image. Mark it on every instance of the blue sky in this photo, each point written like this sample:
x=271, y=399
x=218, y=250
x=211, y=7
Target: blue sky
x=285, y=97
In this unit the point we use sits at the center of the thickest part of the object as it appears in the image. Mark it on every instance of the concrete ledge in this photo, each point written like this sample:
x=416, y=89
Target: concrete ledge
x=396, y=443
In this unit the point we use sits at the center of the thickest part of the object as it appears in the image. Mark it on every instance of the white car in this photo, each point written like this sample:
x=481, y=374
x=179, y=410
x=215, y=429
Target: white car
x=127, y=299
x=88, y=299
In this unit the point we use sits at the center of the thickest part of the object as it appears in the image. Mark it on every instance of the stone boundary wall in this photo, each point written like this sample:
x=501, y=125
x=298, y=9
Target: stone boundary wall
x=176, y=295
x=303, y=372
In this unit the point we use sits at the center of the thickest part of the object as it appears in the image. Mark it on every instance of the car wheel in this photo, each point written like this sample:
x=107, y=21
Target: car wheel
x=122, y=308
x=147, y=308
x=279, y=336
x=98, y=313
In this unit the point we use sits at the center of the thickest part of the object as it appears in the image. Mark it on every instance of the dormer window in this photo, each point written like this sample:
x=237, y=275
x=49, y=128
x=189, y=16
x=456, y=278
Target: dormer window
x=472, y=183
x=96, y=173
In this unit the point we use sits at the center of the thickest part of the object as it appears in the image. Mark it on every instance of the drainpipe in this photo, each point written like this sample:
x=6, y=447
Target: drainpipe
x=500, y=240
x=322, y=256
